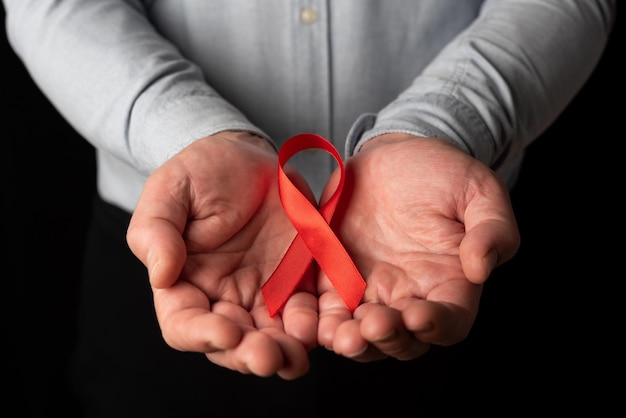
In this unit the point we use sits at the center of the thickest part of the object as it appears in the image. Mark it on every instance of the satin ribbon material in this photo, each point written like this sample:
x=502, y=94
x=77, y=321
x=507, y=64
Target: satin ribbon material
x=315, y=239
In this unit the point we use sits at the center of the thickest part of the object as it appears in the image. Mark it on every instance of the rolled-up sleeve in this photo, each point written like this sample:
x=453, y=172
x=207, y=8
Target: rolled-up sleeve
x=119, y=83
x=501, y=82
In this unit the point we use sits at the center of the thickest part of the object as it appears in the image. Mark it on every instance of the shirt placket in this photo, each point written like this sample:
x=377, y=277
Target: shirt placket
x=312, y=66
x=313, y=104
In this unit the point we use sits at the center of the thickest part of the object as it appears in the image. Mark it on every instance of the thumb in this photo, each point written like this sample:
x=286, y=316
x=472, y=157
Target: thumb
x=486, y=246
x=159, y=246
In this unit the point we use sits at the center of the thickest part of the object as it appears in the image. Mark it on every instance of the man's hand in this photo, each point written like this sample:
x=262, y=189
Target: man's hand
x=426, y=224
x=210, y=228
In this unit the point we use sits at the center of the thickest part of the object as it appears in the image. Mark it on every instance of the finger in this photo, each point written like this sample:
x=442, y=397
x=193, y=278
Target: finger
x=257, y=353
x=160, y=248
x=154, y=235
x=265, y=353
x=383, y=327
x=281, y=354
x=188, y=325
x=332, y=313
x=300, y=318
x=491, y=238
x=435, y=322
x=349, y=342
x=294, y=354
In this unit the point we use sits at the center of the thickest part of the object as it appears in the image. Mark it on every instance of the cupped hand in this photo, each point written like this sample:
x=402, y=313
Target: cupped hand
x=426, y=224
x=210, y=229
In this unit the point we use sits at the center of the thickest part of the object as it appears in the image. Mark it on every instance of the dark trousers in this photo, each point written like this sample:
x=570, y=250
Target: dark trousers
x=123, y=368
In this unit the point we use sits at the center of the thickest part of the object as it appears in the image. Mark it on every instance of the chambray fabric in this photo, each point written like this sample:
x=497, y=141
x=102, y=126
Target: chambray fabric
x=140, y=80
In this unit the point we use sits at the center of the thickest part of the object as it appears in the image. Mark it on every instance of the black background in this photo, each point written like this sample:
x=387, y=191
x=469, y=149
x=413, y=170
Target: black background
x=549, y=327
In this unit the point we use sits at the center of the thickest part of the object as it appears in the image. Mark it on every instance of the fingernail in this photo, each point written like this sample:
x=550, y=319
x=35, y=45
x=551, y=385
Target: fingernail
x=491, y=259
x=153, y=264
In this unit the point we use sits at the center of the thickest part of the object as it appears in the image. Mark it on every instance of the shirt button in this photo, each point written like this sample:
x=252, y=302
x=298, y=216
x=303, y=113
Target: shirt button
x=308, y=16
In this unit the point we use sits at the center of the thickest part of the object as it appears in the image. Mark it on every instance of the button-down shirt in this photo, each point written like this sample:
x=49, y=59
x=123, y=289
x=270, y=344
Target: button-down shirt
x=140, y=80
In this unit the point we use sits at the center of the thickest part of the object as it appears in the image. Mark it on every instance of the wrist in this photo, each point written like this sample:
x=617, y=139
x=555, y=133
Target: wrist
x=391, y=138
x=248, y=137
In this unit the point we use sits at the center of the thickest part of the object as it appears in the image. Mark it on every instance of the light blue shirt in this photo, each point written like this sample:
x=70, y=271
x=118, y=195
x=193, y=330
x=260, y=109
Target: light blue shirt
x=140, y=80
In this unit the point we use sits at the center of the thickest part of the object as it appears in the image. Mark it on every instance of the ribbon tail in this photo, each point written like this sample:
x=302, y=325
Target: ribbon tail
x=316, y=238
x=288, y=275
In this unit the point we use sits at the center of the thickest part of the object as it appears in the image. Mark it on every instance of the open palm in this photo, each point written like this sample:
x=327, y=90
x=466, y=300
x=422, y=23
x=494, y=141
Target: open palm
x=210, y=228
x=425, y=224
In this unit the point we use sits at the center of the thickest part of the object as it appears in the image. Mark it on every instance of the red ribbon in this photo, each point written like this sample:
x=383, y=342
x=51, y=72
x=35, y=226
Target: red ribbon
x=315, y=238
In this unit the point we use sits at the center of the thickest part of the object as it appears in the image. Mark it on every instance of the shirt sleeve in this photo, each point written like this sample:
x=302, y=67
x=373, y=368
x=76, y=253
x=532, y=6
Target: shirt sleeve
x=119, y=83
x=500, y=83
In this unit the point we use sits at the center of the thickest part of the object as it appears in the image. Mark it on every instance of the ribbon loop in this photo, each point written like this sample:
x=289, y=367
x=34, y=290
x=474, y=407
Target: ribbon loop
x=315, y=239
